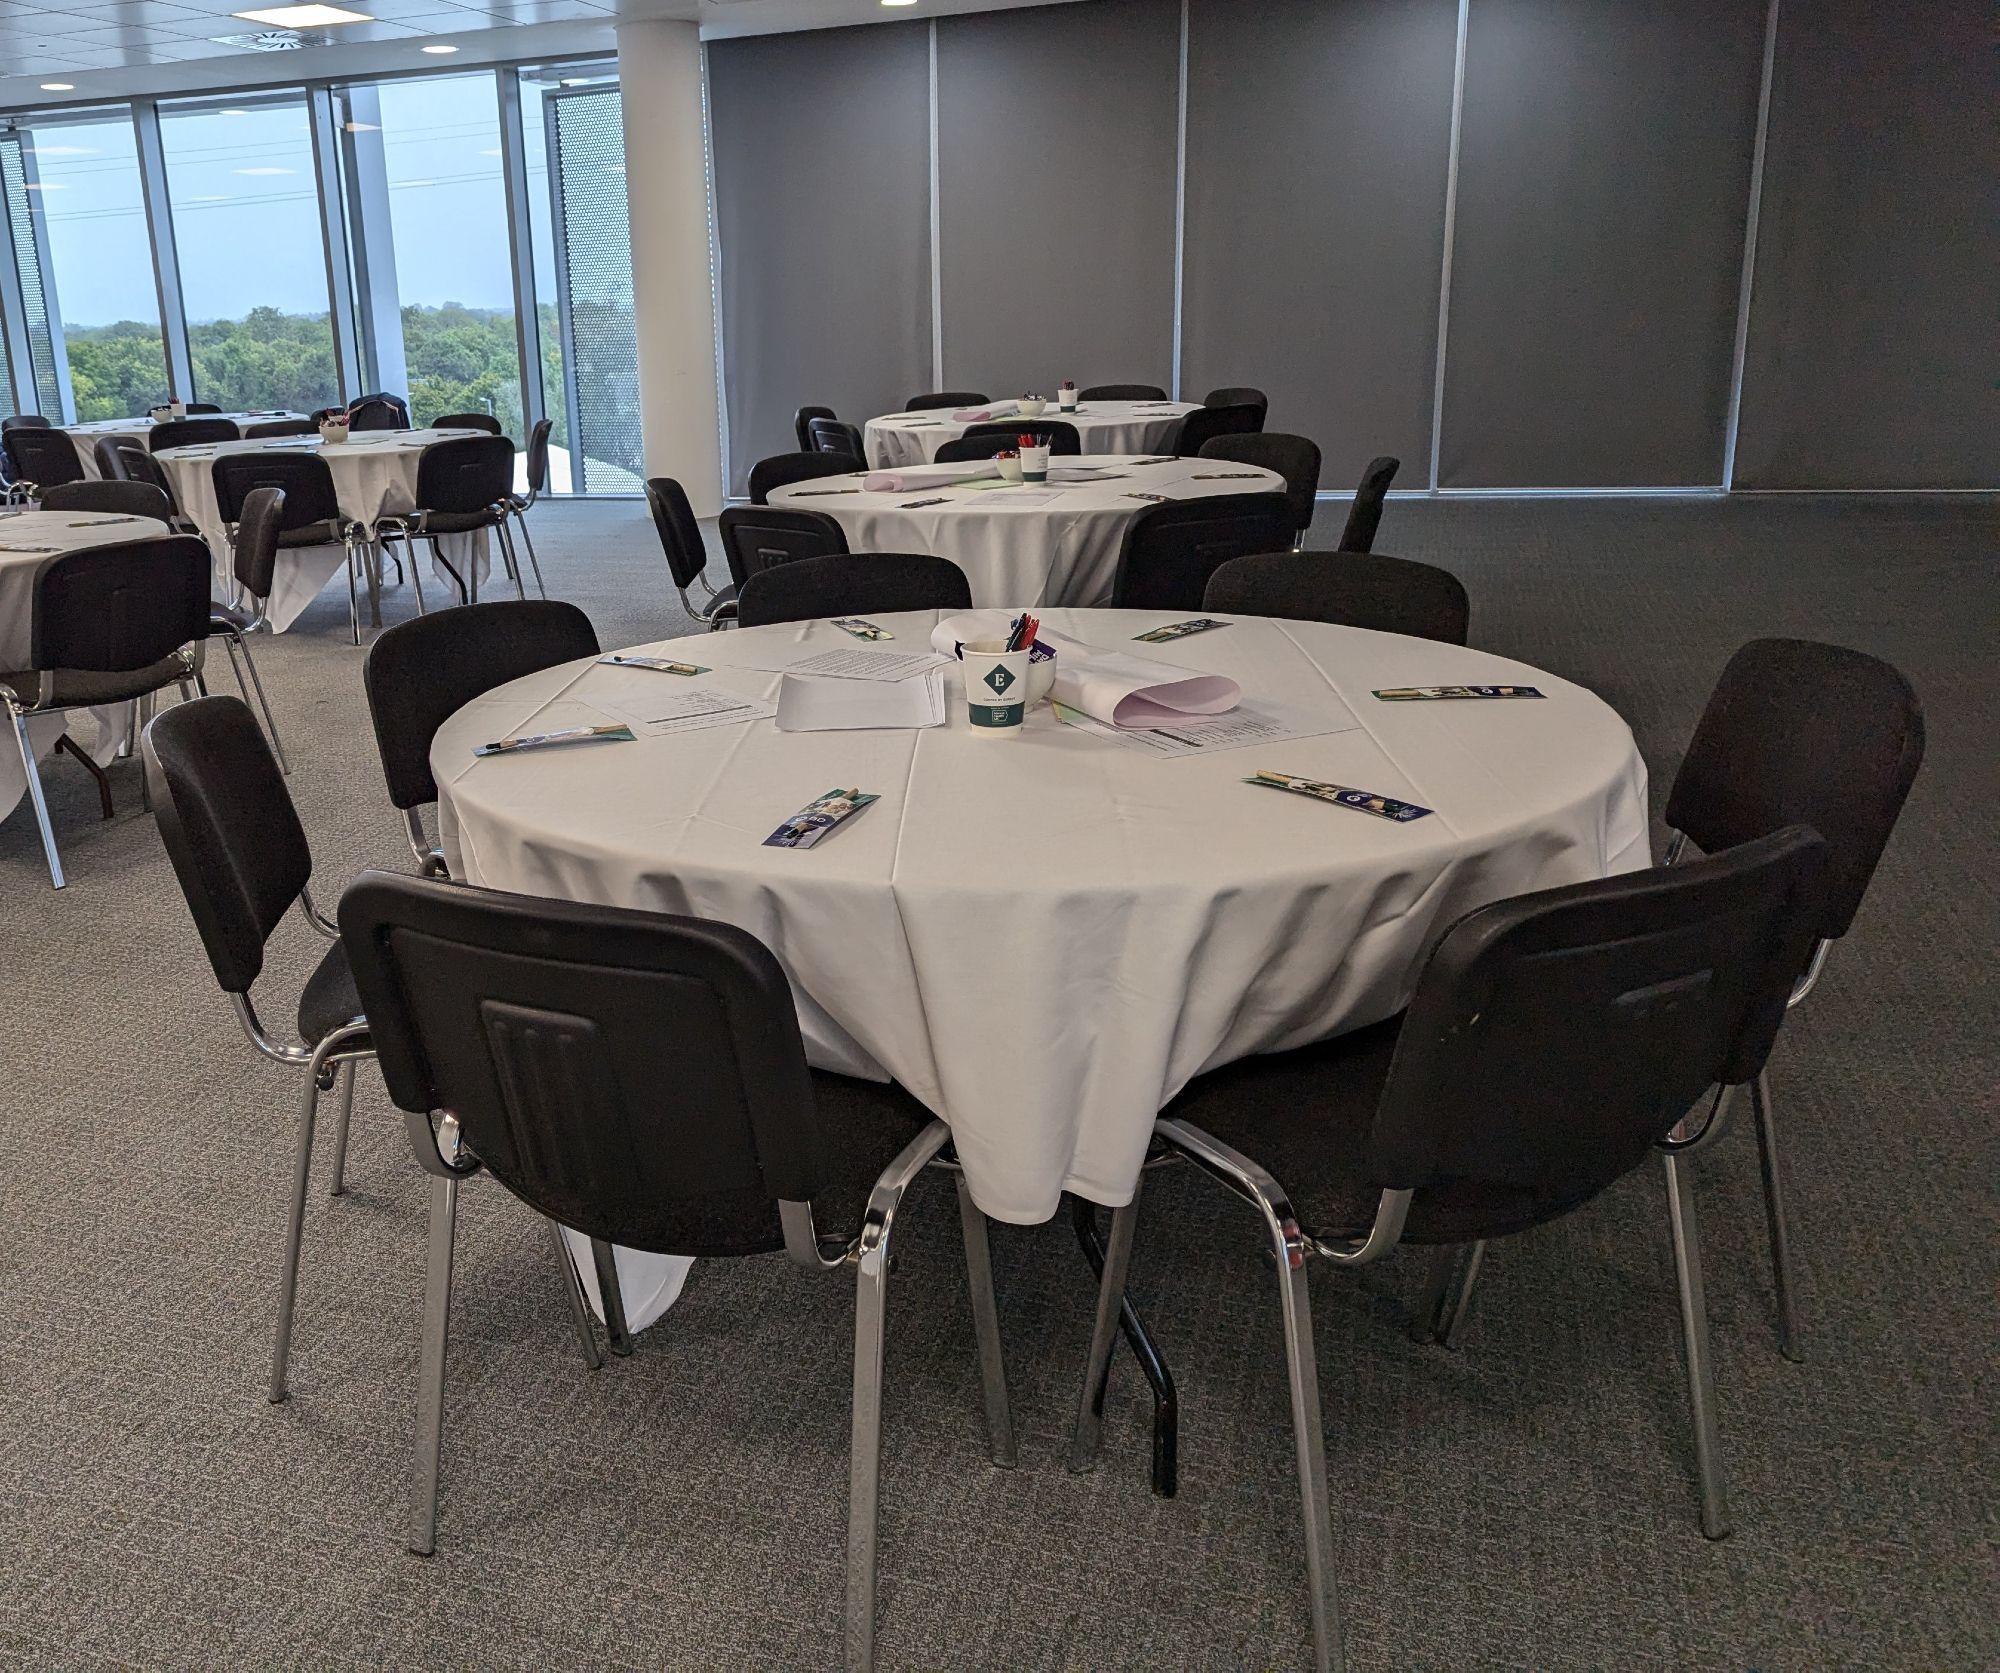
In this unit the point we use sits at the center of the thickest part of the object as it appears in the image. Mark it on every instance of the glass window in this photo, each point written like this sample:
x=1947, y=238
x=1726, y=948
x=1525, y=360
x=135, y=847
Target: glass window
x=252, y=261
x=85, y=189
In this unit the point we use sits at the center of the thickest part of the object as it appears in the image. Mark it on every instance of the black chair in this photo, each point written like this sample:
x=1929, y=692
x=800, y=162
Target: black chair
x=469, y=421
x=860, y=584
x=280, y=427
x=760, y=537
x=829, y=435
x=781, y=470
x=254, y=561
x=380, y=411
x=1553, y=1043
x=1295, y=458
x=519, y=505
x=118, y=499
x=312, y=514
x=1170, y=551
x=108, y=624
x=802, y=424
x=420, y=673
x=463, y=485
x=197, y=408
x=1241, y=395
x=40, y=458
x=1204, y=424
x=124, y=459
x=109, y=452
x=944, y=398
x=1122, y=392
x=687, y=556
x=982, y=441
x=1383, y=594
x=24, y=421
x=191, y=432
x=1810, y=734
x=1364, y=517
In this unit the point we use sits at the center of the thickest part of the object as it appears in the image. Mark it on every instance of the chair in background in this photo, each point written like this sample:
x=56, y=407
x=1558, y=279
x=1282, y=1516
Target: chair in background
x=1554, y=1041
x=536, y=470
x=802, y=424
x=469, y=421
x=109, y=624
x=280, y=427
x=1294, y=458
x=860, y=584
x=123, y=459
x=198, y=408
x=1170, y=551
x=658, y=1064
x=191, y=432
x=24, y=421
x=760, y=537
x=1240, y=396
x=109, y=452
x=1364, y=516
x=829, y=435
x=687, y=556
x=1799, y=733
x=117, y=499
x=781, y=470
x=1383, y=594
x=40, y=458
x=380, y=411
x=420, y=673
x=942, y=398
x=312, y=514
x=253, y=561
x=1122, y=392
x=982, y=441
x=464, y=485
x=1204, y=424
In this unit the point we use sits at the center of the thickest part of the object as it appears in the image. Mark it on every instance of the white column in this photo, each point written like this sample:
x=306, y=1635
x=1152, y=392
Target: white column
x=666, y=185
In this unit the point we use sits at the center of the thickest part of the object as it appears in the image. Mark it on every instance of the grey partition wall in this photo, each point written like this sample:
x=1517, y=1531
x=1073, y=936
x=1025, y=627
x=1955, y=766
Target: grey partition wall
x=1057, y=134
x=1604, y=167
x=1873, y=352
x=1318, y=145
x=822, y=203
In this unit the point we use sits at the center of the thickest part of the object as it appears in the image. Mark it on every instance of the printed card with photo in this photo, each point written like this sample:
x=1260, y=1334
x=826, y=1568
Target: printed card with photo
x=1341, y=795
x=1451, y=693
x=1177, y=630
x=658, y=664
x=860, y=629
x=817, y=817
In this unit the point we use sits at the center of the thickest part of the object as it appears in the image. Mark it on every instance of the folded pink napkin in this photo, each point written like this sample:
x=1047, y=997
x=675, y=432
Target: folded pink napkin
x=983, y=415
x=926, y=476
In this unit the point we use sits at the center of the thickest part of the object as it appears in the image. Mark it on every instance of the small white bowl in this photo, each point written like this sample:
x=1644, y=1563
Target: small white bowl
x=1032, y=406
x=333, y=433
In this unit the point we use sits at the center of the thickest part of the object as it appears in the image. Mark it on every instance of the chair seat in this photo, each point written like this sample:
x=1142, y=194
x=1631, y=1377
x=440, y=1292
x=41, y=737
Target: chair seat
x=78, y=688
x=229, y=619
x=1304, y=1116
x=324, y=533
x=330, y=999
x=723, y=604
x=459, y=522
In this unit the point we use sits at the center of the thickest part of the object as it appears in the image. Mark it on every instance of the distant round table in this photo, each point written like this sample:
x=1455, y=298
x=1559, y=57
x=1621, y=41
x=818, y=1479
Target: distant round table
x=137, y=429
x=911, y=438
x=1045, y=545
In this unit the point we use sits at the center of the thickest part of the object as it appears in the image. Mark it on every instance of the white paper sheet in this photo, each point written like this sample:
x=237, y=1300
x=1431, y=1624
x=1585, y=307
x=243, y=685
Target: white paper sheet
x=806, y=704
x=843, y=662
x=684, y=711
x=1244, y=725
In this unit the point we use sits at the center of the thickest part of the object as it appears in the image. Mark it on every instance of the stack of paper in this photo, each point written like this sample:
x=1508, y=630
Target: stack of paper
x=809, y=704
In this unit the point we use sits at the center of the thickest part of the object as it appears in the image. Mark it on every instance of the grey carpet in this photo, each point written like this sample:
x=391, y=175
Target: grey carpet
x=1524, y=1502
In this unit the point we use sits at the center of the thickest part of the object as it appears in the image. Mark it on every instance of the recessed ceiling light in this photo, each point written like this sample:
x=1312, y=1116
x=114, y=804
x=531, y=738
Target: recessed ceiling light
x=304, y=17
x=364, y=127
x=437, y=47
x=260, y=171
x=58, y=87
x=234, y=113
x=899, y=2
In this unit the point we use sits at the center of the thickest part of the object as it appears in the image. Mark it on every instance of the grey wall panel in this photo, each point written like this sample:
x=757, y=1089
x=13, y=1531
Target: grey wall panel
x=822, y=199
x=1318, y=144
x=1874, y=357
x=1604, y=170
x=1057, y=139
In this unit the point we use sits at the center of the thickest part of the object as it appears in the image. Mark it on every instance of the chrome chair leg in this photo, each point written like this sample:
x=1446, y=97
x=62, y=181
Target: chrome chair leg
x=579, y=1308
x=34, y=777
x=513, y=562
x=236, y=642
x=986, y=1326
x=1453, y=1327
x=1088, y=1428
x=534, y=562
x=353, y=597
x=1427, y=1316
x=288, y=1282
x=1715, y=1523
x=1790, y=1340
x=430, y=1377
x=611, y=1296
x=344, y=1110
x=1309, y=1439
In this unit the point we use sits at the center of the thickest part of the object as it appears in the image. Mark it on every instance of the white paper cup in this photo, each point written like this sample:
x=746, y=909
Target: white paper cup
x=996, y=689
x=1009, y=469
x=1034, y=464
x=1066, y=399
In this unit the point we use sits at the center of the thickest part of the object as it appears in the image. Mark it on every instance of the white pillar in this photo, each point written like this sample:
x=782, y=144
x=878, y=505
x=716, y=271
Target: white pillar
x=666, y=186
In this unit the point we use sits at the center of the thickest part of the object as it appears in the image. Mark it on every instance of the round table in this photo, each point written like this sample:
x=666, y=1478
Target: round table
x=87, y=436
x=374, y=476
x=1046, y=544
x=1045, y=938
x=28, y=540
x=911, y=438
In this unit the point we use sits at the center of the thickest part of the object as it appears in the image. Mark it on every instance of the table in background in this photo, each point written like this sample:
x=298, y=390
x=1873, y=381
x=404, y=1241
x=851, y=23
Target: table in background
x=1018, y=546
x=912, y=438
x=87, y=436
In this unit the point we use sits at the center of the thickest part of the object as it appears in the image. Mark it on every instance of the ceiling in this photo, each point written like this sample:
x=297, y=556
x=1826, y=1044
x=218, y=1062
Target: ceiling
x=111, y=49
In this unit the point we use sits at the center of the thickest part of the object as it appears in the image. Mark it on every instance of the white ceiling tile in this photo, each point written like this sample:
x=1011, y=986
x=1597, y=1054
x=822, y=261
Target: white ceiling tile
x=153, y=14
x=122, y=35
x=48, y=25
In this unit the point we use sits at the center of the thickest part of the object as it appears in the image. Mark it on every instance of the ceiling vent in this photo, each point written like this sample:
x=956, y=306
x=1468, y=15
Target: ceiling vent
x=275, y=40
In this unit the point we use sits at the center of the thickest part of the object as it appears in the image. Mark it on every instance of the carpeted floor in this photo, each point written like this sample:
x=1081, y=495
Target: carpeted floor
x=1524, y=1502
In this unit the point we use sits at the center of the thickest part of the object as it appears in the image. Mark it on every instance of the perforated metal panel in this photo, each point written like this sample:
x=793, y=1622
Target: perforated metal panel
x=586, y=139
x=14, y=179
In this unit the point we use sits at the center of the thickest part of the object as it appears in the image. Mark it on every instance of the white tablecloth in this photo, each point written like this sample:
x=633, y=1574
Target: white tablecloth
x=1045, y=938
x=371, y=479
x=910, y=438
x=1045, y=544
x=60, y=530
x=87, y=436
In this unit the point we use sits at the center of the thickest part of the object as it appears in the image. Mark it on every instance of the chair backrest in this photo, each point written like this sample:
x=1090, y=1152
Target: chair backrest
x=140, y=466
x=110, y=451
x=680, y=533
x=254, y=556
x=42, y=456
x=1204, y=424
x=802, y=424
x=829, y=435
x=1362, y=589
x=121, y=499
x=199, y=407
x=465, y=473
x=538, y=456
x=937, y=398
x=112, y=609
x=421, y=672
x=191, y=432
x=760, y=537
x=637, y=1076
x=861, y=584
x=1239, y=395
x=280, y=427
x=1295, y=458
x=989, y=439
x=1800, y=733
x=24, y=421
x=380, y=411
x=1364, y=516
x=781, y=470
x=1171, y=550
x=305, y=480
x=1122, y=392
x=1556, y=1037
x=469, y=421
x=229, y=827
